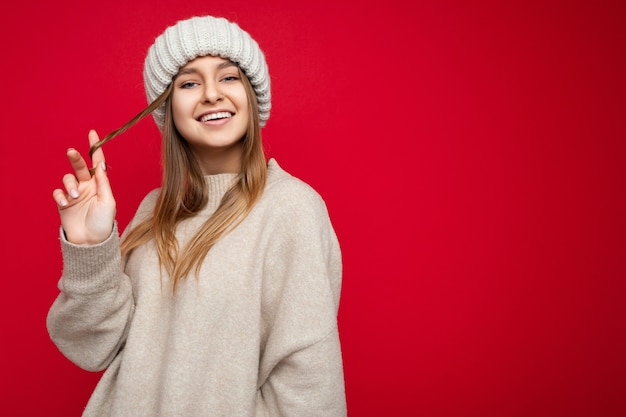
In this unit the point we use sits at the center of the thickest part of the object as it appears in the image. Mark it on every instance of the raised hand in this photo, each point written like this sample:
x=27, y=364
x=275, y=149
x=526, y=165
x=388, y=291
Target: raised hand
x=86, y=205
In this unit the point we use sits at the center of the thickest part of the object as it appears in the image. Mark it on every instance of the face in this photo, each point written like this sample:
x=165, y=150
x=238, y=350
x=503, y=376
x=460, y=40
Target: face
x=210, y=110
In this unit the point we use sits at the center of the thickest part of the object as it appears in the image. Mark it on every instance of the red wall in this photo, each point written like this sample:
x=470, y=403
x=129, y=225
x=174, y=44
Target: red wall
x=472, y=155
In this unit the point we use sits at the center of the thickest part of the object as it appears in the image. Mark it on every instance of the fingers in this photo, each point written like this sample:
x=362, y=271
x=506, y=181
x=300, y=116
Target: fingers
x=71, y=192
x=98, y=155
x=103, y=187
x=79, y=165
x=83, y=173
x=60, y=198
x=73, y=183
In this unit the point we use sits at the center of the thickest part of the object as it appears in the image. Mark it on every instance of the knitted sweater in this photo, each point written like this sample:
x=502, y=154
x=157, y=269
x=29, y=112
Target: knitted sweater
x=255, y=335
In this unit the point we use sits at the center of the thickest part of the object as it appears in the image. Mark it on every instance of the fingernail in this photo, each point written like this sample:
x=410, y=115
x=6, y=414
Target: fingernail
x=63, y=203
x=74, y=193
x=104, y=166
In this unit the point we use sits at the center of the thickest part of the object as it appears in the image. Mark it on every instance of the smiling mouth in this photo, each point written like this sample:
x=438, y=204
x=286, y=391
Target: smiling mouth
x=216, y=116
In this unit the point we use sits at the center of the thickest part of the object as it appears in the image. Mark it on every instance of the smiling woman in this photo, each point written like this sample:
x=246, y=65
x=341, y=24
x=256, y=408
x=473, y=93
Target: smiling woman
x=221, y=296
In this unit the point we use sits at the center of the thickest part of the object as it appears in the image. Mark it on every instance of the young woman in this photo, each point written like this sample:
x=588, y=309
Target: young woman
x=221, y=296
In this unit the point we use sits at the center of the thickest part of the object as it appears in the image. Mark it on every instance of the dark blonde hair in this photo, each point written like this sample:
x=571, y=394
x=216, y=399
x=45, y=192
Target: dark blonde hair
x=184, y=193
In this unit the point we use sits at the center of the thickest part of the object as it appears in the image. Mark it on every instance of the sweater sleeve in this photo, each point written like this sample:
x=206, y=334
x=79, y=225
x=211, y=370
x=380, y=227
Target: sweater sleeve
x=301, y=369
x=89, y=319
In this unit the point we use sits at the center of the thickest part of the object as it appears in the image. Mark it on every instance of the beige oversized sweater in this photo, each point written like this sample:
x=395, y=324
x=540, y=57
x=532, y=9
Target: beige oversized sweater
x=255, y=335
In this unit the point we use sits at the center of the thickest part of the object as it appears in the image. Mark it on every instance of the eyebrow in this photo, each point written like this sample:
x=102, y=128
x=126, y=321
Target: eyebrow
x=193, y=70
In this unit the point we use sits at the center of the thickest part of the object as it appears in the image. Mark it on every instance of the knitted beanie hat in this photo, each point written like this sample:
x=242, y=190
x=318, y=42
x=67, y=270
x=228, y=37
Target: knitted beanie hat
x=201, y=36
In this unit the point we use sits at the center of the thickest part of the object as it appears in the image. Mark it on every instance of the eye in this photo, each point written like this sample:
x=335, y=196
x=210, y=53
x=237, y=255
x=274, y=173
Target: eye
x=230, y=78
x=188, y=84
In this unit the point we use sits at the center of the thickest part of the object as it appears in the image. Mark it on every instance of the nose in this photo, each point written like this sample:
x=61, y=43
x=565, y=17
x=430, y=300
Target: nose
x=212, y=93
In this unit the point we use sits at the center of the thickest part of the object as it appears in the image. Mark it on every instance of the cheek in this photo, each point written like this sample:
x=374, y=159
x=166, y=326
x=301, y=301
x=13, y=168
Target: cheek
x=242, y=104
x=178, y=110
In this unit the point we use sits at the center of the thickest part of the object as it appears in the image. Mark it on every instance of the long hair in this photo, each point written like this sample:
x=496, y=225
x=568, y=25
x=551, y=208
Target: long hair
x=184, y=193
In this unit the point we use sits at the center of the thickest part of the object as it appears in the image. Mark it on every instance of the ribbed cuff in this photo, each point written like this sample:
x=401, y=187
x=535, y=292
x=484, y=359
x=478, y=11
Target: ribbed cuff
x=93, y=268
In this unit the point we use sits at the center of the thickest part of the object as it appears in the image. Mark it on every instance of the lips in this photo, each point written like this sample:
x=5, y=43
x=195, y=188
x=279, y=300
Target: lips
x=207, y=117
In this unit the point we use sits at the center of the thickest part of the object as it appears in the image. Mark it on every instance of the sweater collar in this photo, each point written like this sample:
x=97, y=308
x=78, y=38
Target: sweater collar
x=219, y=184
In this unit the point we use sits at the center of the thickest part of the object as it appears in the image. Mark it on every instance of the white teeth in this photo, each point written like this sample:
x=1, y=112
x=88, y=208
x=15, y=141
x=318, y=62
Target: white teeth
x=215, y=116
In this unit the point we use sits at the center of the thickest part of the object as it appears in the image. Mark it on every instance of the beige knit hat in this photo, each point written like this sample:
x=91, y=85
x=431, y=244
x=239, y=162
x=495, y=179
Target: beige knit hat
x=200, y=36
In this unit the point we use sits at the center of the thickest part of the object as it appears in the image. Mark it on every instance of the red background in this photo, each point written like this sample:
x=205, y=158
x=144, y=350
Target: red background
x=471, y=154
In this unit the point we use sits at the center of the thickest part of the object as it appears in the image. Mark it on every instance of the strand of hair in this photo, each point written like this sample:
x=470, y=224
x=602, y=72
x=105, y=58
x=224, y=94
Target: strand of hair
x=149, y=109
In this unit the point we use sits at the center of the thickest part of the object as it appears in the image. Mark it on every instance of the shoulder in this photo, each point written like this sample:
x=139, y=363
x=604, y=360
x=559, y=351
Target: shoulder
x=287, y=193
x=291, y=209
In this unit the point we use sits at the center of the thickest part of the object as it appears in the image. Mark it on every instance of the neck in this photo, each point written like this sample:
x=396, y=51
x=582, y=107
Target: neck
x=220, y=161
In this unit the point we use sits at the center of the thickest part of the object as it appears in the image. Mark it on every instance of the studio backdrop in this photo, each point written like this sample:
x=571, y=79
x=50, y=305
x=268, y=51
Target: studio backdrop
x=471, y=155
